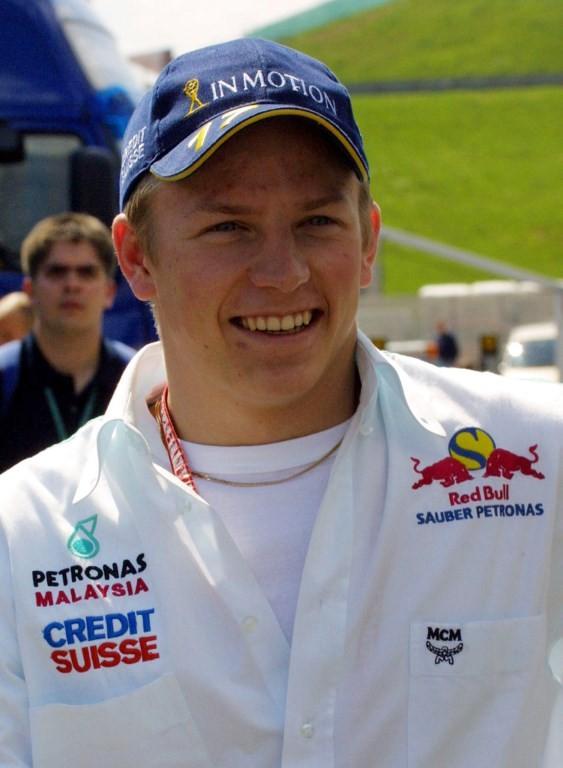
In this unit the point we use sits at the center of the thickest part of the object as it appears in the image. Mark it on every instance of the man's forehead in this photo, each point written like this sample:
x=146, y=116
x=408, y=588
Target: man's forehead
x=239, y=198
x=223, y=204
x=69, y=253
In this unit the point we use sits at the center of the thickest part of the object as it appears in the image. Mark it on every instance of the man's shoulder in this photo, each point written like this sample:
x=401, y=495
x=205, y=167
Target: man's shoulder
x=483, y=390
x=10, y=354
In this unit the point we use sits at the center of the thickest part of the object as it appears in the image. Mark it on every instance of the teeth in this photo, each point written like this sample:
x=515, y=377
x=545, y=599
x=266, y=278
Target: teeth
x=274, y=323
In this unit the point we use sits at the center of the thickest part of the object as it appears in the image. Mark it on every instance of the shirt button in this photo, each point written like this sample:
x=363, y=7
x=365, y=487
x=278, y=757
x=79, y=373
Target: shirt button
x=249, y=624
x=187, y=505
x=366, y=429
x=307, y=730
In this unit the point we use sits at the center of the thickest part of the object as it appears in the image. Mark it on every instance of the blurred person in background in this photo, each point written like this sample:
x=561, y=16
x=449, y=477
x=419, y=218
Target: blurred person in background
x=63, y=372
x=447, y=347
x=16, y=316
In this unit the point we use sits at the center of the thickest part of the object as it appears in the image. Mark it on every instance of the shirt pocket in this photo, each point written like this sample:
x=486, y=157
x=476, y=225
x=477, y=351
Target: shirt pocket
x=149, y=727
x=479, y=694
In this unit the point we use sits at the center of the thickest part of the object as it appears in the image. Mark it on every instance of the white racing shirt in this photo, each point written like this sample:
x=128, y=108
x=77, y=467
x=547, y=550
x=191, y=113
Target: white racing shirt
x=271, y=525
x=133, y=633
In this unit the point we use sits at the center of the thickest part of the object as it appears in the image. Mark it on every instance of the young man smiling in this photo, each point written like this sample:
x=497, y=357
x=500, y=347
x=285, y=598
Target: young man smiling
x=272, y=243
x=235, y=566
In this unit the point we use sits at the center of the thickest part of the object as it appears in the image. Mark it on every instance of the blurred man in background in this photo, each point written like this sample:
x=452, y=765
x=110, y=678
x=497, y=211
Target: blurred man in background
x=63, y=372
x=446, y=344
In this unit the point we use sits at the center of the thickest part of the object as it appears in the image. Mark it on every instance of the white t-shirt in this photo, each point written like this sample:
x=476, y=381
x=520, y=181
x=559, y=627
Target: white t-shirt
x=271, y=525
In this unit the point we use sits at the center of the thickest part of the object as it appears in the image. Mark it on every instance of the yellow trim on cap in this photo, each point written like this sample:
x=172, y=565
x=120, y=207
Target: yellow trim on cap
x=262, y=116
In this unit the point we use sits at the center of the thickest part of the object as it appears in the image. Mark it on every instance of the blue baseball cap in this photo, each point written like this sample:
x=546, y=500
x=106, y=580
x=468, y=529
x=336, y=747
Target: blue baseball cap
x=204, y=97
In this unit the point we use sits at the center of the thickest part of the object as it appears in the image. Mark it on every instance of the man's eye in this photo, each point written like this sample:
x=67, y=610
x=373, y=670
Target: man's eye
x=320, y=221
x=56, y=272
x=225, y=226
x=89, y=272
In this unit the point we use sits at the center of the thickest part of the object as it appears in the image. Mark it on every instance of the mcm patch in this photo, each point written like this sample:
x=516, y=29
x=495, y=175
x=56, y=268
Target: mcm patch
x=444, y=652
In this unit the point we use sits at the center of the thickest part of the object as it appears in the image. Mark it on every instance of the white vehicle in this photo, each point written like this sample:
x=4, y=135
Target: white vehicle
x=530, y=352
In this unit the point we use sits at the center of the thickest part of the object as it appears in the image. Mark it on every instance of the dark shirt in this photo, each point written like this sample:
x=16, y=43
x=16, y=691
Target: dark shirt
x=44, y=407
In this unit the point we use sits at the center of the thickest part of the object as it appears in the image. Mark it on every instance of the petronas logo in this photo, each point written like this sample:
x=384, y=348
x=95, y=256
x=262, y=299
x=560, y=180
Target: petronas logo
x=82, y=541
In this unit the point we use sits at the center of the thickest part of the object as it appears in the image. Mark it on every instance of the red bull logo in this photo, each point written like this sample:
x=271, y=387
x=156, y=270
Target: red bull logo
x=447, y=472
x=472, y=449
x=503, y=463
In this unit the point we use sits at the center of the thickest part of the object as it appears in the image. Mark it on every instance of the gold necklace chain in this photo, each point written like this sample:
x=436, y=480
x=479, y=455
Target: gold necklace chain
x=239, y=484
x=153, y=407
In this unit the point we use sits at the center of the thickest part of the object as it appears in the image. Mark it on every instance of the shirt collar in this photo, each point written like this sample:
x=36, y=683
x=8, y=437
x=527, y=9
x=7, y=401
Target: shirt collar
x=127, y=410
x=379, y=368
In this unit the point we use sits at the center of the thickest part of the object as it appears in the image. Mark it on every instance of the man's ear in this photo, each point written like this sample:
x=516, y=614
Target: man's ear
x=27, y=286
x=370, y=247
x=132, y=258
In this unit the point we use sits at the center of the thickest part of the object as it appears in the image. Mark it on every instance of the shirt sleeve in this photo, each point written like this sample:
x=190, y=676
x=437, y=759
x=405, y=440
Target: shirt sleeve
x=15, y=746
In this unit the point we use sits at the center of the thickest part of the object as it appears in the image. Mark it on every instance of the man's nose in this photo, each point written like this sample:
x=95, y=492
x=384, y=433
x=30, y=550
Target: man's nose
x=72, y=279
x=280, y=265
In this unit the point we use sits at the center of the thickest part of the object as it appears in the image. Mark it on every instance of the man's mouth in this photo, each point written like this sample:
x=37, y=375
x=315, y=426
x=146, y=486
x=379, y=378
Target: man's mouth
x=277, y=323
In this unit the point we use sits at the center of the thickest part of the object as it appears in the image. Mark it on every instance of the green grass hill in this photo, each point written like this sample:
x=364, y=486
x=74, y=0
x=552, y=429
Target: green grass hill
x=441, y=38
x=478, y=169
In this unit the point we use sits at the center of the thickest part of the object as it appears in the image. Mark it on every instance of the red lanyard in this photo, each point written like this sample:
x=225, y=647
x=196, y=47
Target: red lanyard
x=176, y=454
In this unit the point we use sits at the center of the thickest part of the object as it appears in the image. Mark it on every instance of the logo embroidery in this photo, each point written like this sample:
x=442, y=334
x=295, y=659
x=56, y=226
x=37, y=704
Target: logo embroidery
x=84, y=643
x=444, y=652
x=446, y=471
x=191, y=89
x=82, y=541
x=472, y=449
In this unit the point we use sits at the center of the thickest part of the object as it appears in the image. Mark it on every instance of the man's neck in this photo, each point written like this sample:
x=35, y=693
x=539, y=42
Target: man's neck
x=75, y=355
x=262, y=425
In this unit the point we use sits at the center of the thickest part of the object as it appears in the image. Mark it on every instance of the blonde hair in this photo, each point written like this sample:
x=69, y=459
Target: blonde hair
x=138, y=211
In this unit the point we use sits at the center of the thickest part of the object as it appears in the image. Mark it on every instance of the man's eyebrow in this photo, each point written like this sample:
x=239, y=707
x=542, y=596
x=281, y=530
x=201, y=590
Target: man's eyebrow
x=217, y=206
x=214, y=206
x=320, y=202
x=62, y=265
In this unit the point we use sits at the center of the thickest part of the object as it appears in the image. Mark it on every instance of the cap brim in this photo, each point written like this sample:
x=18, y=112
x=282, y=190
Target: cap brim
x=192, y=152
